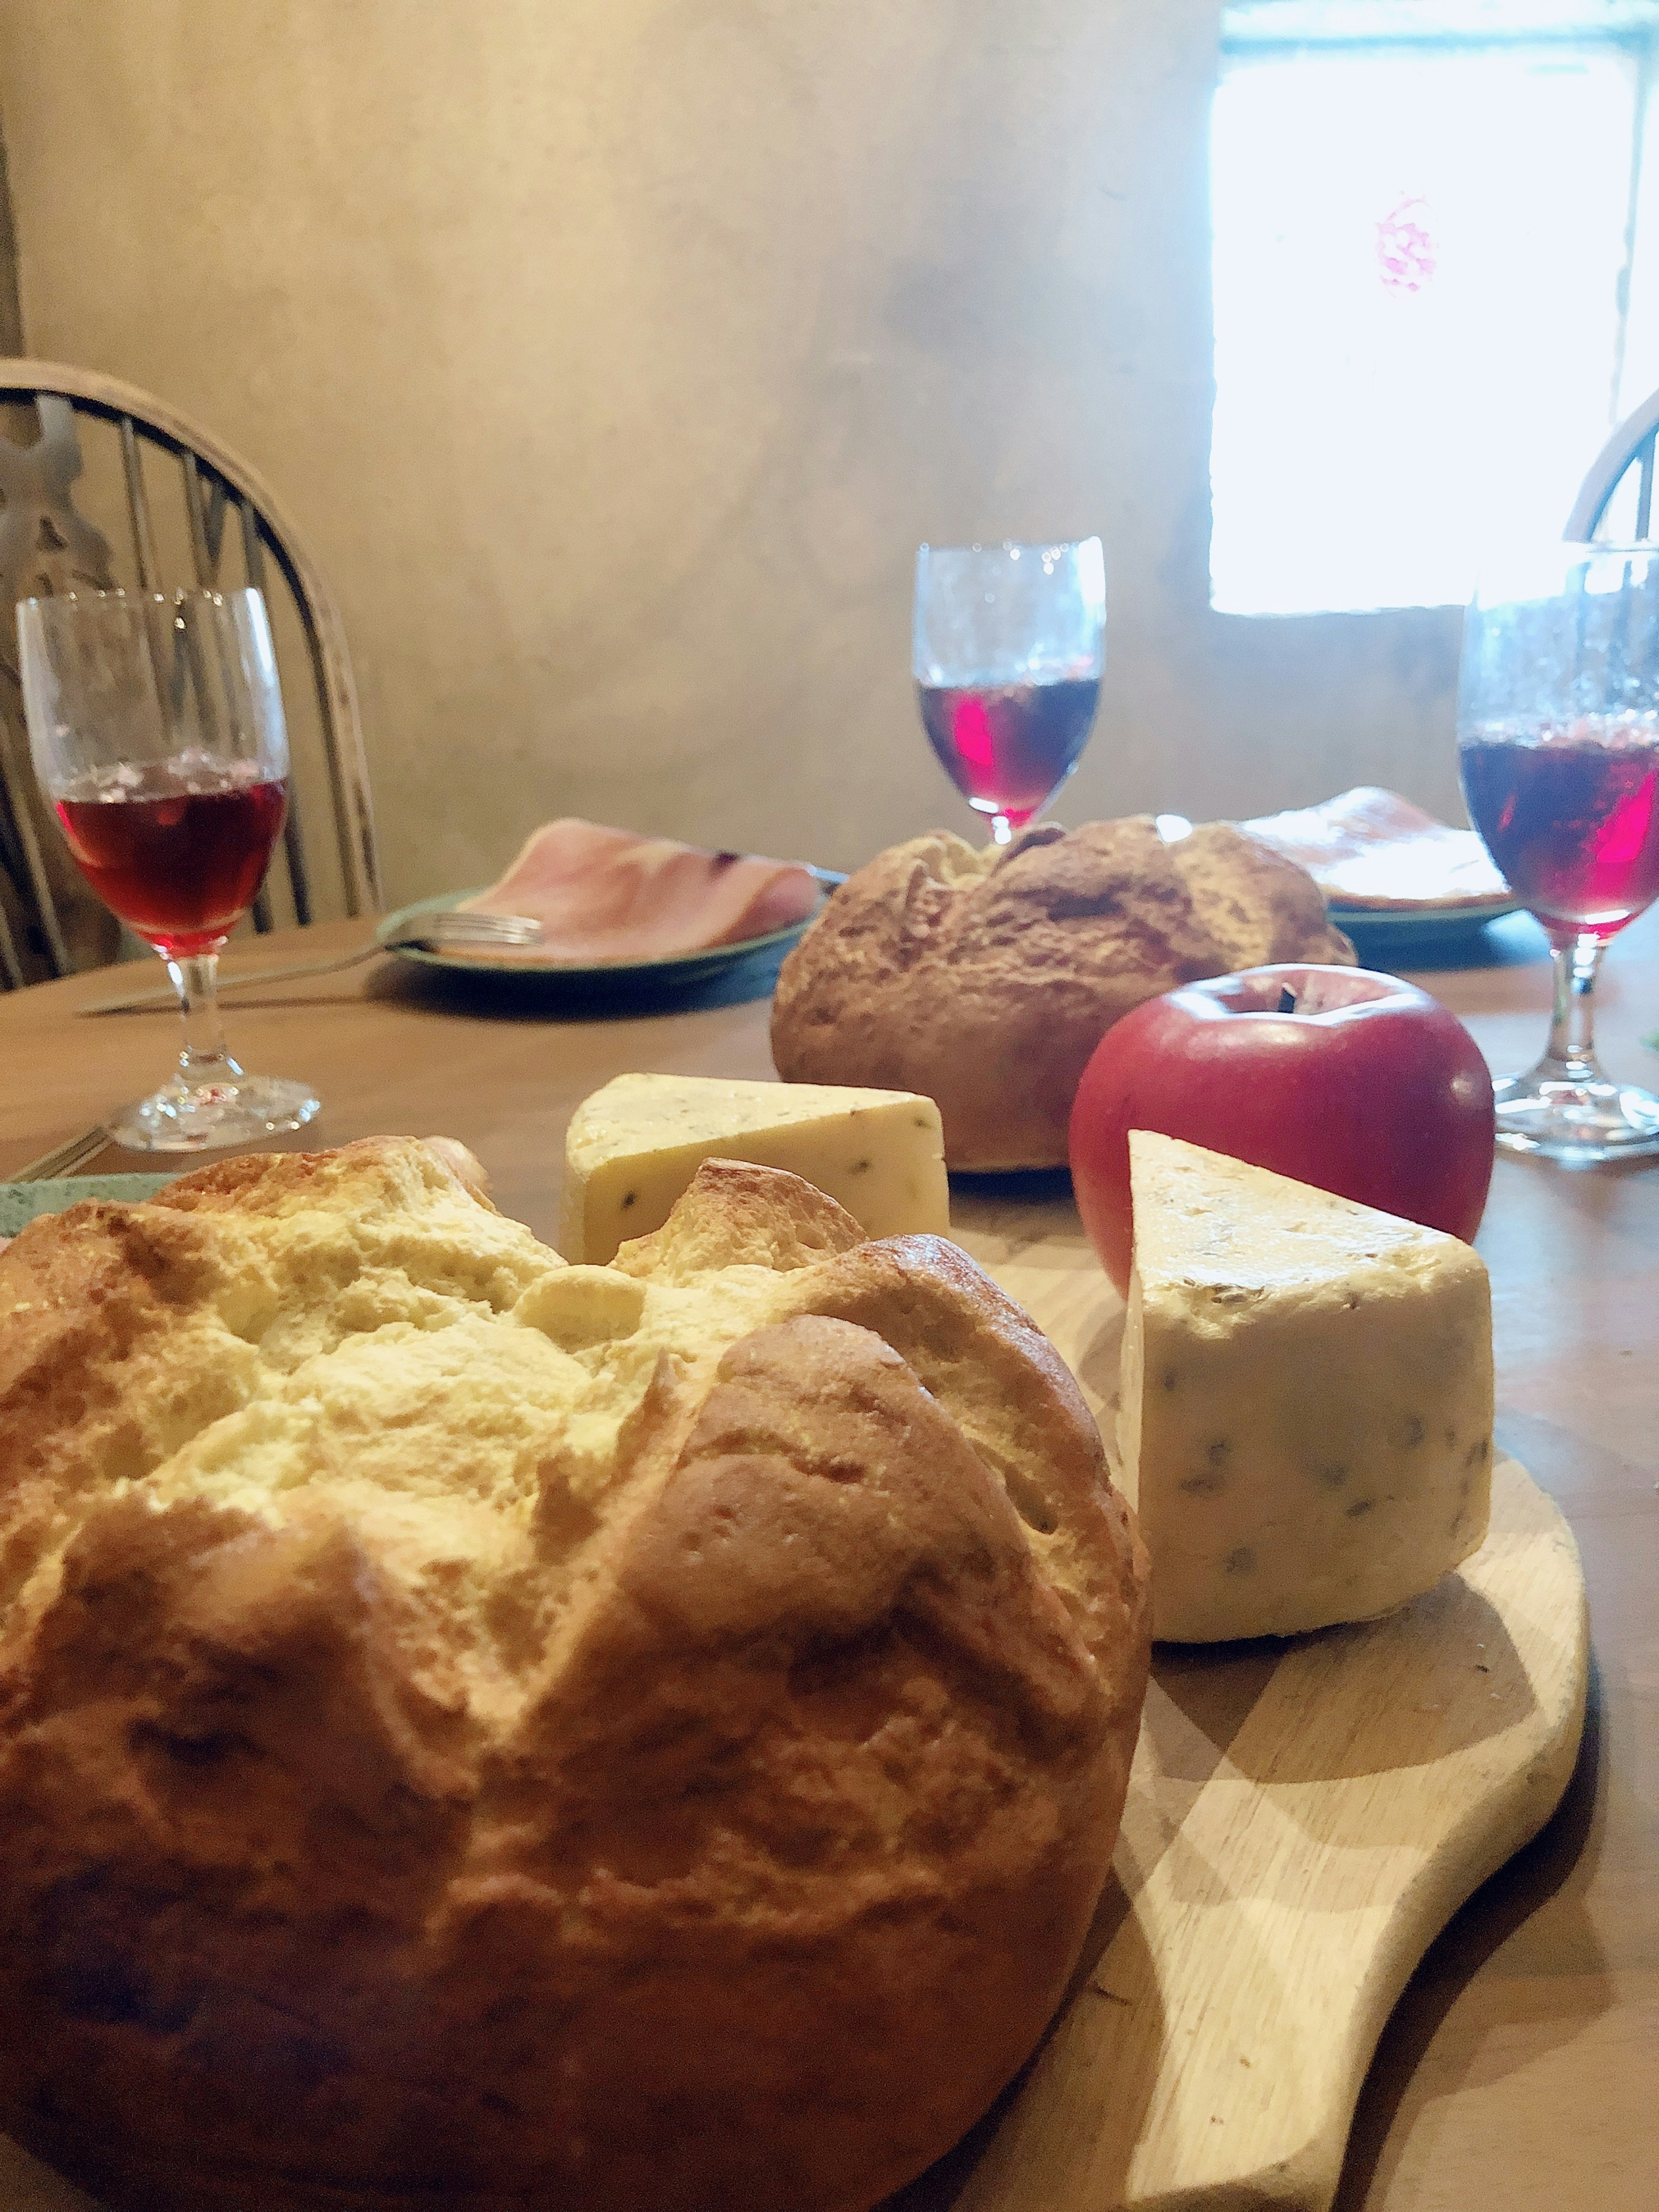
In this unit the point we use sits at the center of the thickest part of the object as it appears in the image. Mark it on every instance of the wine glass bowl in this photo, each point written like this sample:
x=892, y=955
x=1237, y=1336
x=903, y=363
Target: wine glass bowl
x=1568, y=814
x=177, y=850
x=1007, y=651
x=1558, y=753
x=157, y=734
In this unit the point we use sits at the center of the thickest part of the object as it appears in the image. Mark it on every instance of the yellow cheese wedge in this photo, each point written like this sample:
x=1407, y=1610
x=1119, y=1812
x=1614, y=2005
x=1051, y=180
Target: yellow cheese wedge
x=633, y=1147
x=1307, y=1398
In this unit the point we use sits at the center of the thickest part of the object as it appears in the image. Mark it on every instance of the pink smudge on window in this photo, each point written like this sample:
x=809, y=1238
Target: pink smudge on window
x=1407, y=257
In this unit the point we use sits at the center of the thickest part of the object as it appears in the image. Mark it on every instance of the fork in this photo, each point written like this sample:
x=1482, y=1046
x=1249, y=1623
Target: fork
x=458, y=930
x=64, y=1159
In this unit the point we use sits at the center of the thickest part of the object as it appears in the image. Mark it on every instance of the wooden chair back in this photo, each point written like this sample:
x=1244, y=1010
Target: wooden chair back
x=1615, y=501
x=104, y=486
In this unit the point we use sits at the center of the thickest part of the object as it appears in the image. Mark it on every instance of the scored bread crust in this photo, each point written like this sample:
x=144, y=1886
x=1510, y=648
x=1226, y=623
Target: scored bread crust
x=985, y=979
x=481, y=1731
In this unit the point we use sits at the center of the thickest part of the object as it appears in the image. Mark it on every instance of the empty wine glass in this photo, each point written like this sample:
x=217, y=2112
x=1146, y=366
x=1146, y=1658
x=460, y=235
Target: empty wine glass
x=1558, y=728
x=157, y=734
x=1007, y=652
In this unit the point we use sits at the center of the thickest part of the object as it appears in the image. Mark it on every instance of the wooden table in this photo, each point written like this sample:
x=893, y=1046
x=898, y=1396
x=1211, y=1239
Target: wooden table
x=1521, y=2071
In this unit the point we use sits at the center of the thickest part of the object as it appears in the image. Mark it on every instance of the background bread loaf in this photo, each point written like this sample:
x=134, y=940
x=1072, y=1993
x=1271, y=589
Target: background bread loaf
x=985, y=979
x=482, y=1731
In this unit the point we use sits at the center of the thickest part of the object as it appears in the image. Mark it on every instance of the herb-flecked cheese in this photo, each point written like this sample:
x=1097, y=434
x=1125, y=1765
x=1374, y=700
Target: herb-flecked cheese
x=633, y=1147
x=1306, y=1407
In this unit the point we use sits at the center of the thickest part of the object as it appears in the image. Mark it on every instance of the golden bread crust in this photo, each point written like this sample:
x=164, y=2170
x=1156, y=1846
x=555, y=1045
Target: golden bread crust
x=585, y=1738
x=985, y=980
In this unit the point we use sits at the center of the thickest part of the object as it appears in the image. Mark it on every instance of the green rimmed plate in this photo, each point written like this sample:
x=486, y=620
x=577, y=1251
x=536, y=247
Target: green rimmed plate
x=21, y=1202
x=595, y=978
x=1389, y=929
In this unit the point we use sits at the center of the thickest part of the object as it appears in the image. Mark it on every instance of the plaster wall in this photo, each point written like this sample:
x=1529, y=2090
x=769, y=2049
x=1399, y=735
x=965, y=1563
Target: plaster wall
x=616, y=358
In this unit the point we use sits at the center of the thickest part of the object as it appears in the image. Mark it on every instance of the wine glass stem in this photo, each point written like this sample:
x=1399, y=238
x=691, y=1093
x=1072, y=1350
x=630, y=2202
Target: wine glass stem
x=204, y=1059
x=1571, y=1047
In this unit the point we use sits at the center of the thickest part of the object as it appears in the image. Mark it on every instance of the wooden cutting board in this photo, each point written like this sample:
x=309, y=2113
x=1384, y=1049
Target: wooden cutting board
x=1303, y=1820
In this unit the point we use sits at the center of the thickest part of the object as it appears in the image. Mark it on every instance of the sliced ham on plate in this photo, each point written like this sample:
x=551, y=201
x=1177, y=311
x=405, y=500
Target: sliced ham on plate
x=1372, y=849
x=609, y=895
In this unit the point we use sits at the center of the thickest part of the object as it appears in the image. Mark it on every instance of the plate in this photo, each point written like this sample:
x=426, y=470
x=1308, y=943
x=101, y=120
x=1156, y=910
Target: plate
x=586, y=978
x=21, y=1202
x=1386, y=927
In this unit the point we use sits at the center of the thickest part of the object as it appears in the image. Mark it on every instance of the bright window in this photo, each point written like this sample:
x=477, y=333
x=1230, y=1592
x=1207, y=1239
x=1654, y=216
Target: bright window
x=1422, y=277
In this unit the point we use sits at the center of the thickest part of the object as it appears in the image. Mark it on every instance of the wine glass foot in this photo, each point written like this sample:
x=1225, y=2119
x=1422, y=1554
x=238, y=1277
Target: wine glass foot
x=210, y=1116
x=1576, y=1115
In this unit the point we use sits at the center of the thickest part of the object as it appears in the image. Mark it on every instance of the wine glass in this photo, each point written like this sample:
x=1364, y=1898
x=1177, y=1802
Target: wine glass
x=1558, y=730
x=1007, y=652
x=157, y=732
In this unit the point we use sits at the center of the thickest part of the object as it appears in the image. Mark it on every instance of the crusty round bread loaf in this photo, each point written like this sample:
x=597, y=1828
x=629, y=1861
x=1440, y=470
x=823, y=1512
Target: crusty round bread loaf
x=985, y=980
x=481, y=1733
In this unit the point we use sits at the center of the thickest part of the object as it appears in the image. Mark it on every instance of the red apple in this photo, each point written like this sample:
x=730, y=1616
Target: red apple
x=1357, y=1083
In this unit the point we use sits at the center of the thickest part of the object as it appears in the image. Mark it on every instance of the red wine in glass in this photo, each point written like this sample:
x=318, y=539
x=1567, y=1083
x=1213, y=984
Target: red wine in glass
x=1008, y=747
x=155, y=726
x=178, y=854
x=1006, y=651
x=1571, y=814
x=1558, y=733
